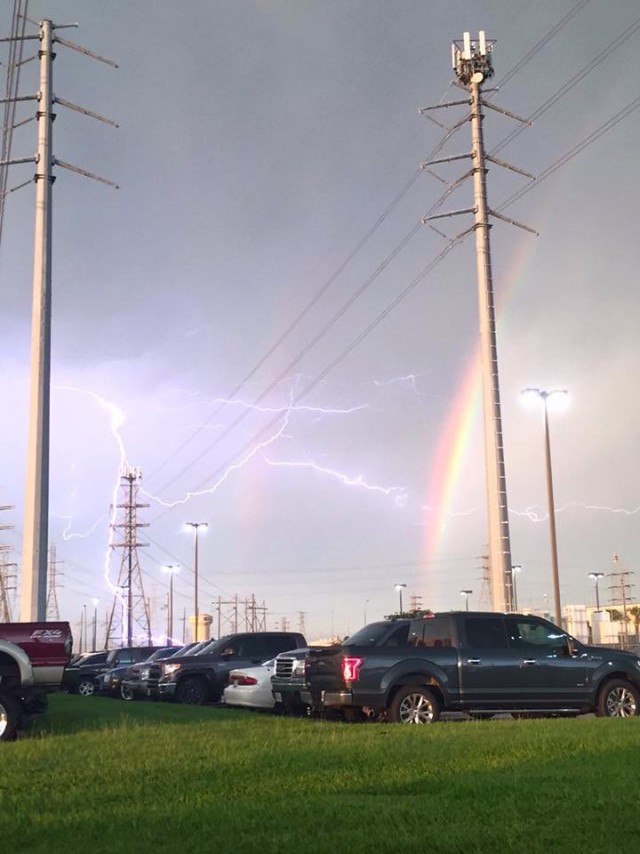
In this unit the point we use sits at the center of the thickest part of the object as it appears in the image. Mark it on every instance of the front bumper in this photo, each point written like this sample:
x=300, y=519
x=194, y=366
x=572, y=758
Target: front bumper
x=162, y=690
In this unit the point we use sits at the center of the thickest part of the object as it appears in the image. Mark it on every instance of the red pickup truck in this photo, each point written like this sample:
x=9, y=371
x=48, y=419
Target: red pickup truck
x=32, y=659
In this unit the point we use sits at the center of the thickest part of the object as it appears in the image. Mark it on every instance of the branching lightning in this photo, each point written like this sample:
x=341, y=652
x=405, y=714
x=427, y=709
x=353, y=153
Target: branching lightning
x=398, y=493
x=223, y=477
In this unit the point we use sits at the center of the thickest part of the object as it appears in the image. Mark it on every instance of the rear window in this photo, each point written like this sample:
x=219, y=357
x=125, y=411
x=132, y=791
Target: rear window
x=373, y=633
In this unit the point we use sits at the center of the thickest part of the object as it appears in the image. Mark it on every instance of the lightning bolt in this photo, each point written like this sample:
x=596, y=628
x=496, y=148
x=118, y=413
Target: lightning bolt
x=398, y=493
x=227, y=472
x=116, y=420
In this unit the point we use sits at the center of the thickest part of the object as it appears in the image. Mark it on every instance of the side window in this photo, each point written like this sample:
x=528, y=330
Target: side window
x=486, y=632
x=431, y=632
x=253, y=647
x=273, y=645
x=232, y=649
x=398, y=637
x=534, y=633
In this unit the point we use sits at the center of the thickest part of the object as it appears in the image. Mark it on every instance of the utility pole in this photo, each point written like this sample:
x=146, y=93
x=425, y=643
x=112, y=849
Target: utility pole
x=473, y=66
x=130, y=577
x=33, y=599
x=620, y=583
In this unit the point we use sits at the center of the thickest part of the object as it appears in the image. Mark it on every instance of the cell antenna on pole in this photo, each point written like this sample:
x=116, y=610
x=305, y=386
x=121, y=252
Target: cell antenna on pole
x=472, y=62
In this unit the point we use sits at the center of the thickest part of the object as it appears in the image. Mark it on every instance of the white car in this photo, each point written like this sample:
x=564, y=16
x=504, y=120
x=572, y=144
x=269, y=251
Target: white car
x=251, y=687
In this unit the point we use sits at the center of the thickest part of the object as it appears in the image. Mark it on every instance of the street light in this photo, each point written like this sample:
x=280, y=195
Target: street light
x=536, y=394
x=466, y=594
x=171, y=569
x=400, y=588
x=196, y=527
x=596, y=578
x=514, y=571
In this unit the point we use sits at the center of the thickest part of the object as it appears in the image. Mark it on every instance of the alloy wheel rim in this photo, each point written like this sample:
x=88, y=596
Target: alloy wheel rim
x=416, y=709
x=4, y=720
x=621, y=703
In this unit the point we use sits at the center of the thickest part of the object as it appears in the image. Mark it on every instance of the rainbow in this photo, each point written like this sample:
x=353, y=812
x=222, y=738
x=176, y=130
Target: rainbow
x=450, y=455
x=461, y=422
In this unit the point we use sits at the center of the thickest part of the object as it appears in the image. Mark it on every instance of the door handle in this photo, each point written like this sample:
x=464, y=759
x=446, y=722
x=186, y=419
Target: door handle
x=529, y=661
x=473, y=661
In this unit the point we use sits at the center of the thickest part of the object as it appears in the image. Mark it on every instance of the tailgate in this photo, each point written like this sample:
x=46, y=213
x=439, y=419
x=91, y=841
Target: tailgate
x=324, y=670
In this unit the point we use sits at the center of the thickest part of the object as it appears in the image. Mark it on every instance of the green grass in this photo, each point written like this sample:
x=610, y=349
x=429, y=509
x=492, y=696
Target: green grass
x=100, y=775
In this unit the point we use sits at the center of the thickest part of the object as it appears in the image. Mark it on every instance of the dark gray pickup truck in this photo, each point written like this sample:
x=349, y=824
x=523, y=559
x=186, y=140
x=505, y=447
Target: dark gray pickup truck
x=412, y=670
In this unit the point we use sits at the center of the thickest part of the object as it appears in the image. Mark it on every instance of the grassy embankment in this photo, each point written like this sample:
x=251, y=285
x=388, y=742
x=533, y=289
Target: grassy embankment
x=100, y=775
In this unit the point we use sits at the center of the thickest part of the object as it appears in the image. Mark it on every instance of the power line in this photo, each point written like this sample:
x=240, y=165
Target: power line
x=412, y=285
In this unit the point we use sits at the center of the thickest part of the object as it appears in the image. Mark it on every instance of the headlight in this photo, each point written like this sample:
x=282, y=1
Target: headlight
x=144, y=672
x=168, y=669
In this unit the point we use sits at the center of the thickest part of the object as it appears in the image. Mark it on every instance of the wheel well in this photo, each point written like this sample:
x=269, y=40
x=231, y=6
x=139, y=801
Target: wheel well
x=423, y=679
x=625, y=677
x=9, y=671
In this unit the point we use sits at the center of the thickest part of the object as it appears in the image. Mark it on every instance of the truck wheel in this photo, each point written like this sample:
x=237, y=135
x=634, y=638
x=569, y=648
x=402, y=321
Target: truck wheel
x=192, y=692
x=126, y=693
x=86, y=687
x=618, y=699
x=414, y=704
x=9, y=717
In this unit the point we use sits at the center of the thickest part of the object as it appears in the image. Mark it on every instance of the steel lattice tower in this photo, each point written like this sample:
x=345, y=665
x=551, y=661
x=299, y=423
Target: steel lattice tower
x=53, y=610
x=129, y=621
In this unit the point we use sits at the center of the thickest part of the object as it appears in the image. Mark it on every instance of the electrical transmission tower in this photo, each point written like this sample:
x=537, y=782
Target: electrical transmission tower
x=7, y=577
x=130, y=609
x=53, y=611
x=473, y=66
x=415, y=603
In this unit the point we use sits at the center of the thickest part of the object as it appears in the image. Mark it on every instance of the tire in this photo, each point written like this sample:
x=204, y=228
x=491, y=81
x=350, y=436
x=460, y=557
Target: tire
x=192, y=692
x=9, y=717
x=86, y=688
x=414, y=704
x=618, y=699
x=126, y=693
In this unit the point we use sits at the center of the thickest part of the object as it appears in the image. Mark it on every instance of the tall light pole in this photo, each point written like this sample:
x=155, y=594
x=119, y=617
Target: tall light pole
x=171, y=569
x=544, y=396
x=596, y=579
x=400, y=588
x=514, y=571
x=466, y=594
x=365, y=611
x=195, y=526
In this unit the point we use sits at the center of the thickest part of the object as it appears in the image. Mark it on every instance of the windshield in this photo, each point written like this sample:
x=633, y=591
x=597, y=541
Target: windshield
x=370, y=634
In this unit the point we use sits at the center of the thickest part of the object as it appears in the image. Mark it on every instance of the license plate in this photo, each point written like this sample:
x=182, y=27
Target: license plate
x=277, y=696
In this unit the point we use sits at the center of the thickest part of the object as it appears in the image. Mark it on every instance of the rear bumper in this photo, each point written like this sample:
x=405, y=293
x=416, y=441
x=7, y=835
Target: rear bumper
x=336, y=698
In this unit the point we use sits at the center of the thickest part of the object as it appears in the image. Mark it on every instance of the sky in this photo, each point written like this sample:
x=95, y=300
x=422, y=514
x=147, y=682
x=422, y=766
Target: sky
x=245, y=319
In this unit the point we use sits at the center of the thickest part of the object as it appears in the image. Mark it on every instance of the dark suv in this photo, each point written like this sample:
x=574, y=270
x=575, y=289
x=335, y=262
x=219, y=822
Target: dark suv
x=79, y=676
x=82, y=678
x=201, y=678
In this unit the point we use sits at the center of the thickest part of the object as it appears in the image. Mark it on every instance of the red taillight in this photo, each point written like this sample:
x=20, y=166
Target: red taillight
x=351, y=668
x=240, y=679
